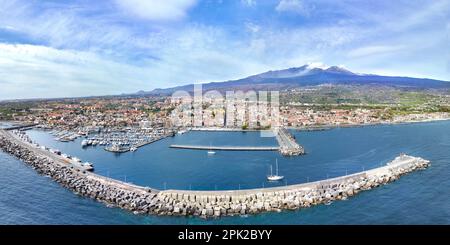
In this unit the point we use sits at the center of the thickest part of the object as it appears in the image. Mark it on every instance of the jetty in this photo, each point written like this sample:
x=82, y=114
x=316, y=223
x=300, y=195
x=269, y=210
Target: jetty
x=287, y=142
x=21, y=127
x=205, y=204
x=226, y=148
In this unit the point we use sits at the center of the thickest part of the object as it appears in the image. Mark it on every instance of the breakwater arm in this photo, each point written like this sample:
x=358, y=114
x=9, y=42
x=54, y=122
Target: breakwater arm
x=226, y=148
x=205, y=204
x=288, y=145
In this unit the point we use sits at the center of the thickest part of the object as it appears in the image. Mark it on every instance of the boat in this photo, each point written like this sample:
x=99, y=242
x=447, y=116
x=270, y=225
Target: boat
x=275, y=177
x=84, y=143
x=133, y=148
x=210, y=151
x=87, y=166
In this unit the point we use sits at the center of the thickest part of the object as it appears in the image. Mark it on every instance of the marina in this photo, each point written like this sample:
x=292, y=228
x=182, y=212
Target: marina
x=395, y=197
x=207, y=204
x=116, y=141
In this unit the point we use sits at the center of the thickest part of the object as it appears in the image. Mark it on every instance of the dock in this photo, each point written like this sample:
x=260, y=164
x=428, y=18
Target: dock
x=226, y=148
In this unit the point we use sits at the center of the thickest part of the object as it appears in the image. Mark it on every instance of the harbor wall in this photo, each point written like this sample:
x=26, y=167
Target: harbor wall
x=206, y=204
x=226, y=148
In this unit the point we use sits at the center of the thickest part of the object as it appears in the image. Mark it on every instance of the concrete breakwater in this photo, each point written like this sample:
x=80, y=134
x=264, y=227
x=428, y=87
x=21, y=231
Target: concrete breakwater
x=226, y=148
x=205, y=203
x=288, y=145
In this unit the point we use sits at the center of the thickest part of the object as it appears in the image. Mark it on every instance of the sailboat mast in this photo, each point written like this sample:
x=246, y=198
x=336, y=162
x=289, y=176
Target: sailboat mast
x=277, y=165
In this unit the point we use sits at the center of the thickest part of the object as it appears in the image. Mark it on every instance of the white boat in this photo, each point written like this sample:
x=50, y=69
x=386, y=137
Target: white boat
x=133, y=148
x=275, y=177
x=84, y=143
x=87, y=166
x=210, y=151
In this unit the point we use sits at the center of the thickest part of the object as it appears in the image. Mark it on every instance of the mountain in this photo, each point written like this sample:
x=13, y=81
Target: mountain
x=309, y=75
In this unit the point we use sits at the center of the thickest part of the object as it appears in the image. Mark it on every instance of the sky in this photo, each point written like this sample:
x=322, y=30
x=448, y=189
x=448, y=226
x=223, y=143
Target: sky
x=53, y=48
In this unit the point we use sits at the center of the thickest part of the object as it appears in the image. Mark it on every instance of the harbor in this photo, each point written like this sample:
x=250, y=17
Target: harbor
x=206, y=204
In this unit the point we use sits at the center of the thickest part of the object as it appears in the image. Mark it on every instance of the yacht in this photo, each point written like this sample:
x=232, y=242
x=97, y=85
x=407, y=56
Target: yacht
x=84, y=143
x=275, y=177
x=133, y=148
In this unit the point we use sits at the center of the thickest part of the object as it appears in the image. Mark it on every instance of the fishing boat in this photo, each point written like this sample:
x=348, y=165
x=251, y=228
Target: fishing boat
x=275, y=177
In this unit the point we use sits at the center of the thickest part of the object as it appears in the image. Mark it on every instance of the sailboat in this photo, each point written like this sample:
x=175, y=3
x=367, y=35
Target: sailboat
x=275, y=177
x=210, y=151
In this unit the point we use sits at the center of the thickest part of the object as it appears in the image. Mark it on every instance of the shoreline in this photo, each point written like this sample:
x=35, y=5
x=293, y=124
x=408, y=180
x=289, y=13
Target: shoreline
x=269, y=131
x=332, y=126
x=206, y=204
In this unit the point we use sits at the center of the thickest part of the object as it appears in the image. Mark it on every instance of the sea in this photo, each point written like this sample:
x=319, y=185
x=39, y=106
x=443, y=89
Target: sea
x=422, y=197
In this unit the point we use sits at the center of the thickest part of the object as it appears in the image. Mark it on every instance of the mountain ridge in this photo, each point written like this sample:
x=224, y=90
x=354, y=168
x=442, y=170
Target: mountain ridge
x=309, y=75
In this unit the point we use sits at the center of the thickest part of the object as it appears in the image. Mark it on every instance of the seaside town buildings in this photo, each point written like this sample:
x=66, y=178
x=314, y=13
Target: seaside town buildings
x=165, y=112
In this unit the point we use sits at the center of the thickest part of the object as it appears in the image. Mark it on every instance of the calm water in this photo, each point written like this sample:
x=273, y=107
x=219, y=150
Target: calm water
x=419, y=198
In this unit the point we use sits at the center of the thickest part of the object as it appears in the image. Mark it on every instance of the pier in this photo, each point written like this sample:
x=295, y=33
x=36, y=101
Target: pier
x=227, y=148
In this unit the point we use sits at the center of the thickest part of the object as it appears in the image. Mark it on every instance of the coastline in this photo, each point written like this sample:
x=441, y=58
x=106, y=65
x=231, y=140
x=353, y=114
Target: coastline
x=331, y=126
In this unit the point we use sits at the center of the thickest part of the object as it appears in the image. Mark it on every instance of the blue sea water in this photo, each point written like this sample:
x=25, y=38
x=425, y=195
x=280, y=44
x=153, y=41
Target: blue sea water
x=421, y=197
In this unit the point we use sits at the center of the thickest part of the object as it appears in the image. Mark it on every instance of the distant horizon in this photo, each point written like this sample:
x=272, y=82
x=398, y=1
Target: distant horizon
x=53, y=49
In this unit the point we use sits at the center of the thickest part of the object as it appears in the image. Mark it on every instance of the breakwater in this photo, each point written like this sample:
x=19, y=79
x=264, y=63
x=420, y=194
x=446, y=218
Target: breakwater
x=288, y=145
x=226, y=148
x=206, y=203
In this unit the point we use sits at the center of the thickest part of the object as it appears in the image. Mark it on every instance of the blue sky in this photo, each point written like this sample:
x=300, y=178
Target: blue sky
x=51, y=48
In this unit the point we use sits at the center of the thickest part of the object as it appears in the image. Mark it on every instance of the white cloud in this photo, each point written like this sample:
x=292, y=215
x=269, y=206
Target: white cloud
x=157, y=10
x=374, y=50
x=102, y=54
x=252, y=27
x=294, y=6
x=48, y=72
x=249, y=3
